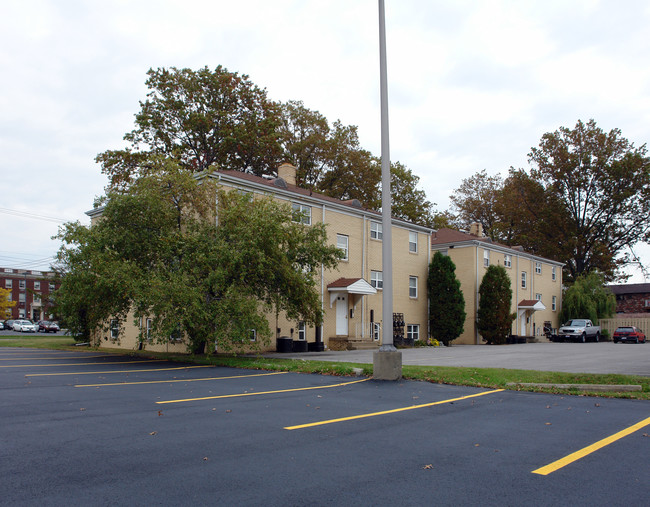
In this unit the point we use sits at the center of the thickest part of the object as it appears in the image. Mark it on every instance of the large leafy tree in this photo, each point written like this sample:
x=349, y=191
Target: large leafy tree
x=446, y=300
x=494, y=320
x=588, y=298
x=157, y=251
x=585, y=201
x=200, y=119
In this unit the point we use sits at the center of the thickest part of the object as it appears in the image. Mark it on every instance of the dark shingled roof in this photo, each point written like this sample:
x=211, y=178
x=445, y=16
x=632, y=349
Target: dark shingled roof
x=630, y=288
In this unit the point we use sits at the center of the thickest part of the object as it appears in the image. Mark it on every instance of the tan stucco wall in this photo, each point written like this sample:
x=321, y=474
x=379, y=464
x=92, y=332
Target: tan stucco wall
x=470, y=269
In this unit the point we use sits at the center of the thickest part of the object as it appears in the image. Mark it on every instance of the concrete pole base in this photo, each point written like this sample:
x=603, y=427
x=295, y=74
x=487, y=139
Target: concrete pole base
x=387, y=365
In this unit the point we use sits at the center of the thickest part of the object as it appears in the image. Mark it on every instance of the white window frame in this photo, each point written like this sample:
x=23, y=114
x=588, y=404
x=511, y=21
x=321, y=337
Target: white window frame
x=9, y=297
x=507, y=260
x=554, y=303
x=538, y=296
x=253, y=335
x=36, y=297
x=486, y=258
x=302, y=331
x=9, y=270
x=343, y=243
x=114, y=329
x=376, y=231
x=22, y=297
x=553, y=274
x=413, y=242
x=21, y=313
x=524, y=281
x=301, y=213
x=37, y=285
x=377, y=279
x=413, y=287
x=413, y=331
x=9, y=283
x=538, y=268
x=22, y=284
x=376, y=331
x=148, y=327
x=176, y=335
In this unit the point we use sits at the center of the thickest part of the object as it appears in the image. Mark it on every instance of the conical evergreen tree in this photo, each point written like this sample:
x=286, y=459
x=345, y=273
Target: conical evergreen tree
x=495, y=299
x=446, y=301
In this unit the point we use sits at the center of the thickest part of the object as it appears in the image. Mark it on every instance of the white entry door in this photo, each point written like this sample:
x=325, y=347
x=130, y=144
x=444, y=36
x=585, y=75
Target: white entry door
x=342, y=315
x=522, y=325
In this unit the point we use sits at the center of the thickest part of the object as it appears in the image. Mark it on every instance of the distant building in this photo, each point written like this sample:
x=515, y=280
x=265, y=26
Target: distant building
x=31, y=290
x=632, y=298
x=536, y=282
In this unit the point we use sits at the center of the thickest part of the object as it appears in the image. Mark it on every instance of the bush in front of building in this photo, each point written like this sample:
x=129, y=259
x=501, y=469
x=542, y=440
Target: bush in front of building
x=494, y=320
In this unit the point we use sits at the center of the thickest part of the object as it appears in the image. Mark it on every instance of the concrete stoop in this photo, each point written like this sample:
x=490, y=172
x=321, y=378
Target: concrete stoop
x=347, y=343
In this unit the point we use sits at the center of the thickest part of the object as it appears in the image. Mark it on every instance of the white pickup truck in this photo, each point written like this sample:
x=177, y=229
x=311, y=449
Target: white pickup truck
x=579, y=330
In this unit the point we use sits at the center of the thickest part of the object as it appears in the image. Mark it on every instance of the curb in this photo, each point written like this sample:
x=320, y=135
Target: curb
x=620, y=388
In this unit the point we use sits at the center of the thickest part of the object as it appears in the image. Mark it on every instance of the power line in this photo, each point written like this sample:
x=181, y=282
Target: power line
x=35, y=216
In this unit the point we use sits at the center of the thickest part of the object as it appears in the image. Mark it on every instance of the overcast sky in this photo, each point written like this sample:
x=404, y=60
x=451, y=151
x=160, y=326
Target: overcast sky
x=472, y=85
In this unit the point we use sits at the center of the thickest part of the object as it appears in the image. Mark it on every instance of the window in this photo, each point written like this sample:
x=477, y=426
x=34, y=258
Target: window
x=342, y=244
x=37, y=285
x=115, y=329
x=21, y=313
x=302, y=331
x=148, y=330
x=538, y=297
x=7, y=270
x=37, y=298
x=176, y=334
x=301, y=213
x=553, y=275
x=377, y=279
x=413, y=242
x=21, y=297
x=507, y=261
x=22, y=284
x=413, y=286
x=376, y=331
x=376, y=231
x=52, y=286
x=9, y=298
x=413, y=332
x=486, y=258
x=253, y=335
x=538, y=268
x=9, y=283
x=523, y=279
x=554, y=303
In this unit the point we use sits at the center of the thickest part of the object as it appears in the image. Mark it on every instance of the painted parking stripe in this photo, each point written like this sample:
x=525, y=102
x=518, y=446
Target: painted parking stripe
x=392, y=411
x=264, y=392
x=567, y=460
x=116, y=371
x=51, y=357
x=179, y=380
x=76, y=364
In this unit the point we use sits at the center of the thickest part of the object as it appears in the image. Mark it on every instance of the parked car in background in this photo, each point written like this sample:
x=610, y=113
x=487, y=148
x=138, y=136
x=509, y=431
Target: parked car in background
x=47, y=326
x=628, y=334
x=9, y=325
x=2, y=324
x=24, y=326
x=579, y=330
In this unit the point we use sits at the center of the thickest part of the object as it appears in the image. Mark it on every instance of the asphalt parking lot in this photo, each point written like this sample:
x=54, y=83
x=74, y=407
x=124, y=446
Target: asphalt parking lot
x=99, y=429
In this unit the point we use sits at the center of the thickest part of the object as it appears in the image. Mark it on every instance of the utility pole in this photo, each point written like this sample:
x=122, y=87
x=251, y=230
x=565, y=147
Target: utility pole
x=387, y=361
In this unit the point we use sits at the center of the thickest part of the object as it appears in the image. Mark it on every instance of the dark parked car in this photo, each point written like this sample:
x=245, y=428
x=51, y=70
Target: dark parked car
x=628, y=334
x=9, y=325
x=46, y=326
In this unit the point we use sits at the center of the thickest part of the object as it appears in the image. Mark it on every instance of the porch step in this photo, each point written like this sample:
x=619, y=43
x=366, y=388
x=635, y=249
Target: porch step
x=345, y=343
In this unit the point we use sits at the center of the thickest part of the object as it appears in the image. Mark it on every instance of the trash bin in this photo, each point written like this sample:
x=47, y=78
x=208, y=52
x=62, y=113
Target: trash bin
x=299, y=346
x=283, y=344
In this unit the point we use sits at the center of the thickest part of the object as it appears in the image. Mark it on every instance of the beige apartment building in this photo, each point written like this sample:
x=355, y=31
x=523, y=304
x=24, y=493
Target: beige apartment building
x=536, y=281
x=351, y=295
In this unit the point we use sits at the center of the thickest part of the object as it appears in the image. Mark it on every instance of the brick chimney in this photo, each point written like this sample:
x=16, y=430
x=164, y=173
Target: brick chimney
x=288, y=173
x=476, y=229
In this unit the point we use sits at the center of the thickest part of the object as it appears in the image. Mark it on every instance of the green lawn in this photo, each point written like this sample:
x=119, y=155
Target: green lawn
x=478, y=377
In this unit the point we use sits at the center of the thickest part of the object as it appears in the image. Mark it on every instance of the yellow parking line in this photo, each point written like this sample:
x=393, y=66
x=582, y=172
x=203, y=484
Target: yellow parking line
x=265, y=392
x=116, y=371
x=179, y=380
x=52, y=357
x=76, y=364
x=556, y=465
x=392, y=411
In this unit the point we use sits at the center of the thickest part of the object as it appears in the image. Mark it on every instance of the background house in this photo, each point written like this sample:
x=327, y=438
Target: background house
x=633, y=298
x=536, y=282
x=31, y=290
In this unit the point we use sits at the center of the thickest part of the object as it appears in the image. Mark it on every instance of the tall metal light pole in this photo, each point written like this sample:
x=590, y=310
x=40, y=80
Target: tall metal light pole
x=387, y=361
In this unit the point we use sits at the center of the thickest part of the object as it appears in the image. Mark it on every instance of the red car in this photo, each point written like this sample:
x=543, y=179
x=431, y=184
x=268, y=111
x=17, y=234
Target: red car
x=628, y=334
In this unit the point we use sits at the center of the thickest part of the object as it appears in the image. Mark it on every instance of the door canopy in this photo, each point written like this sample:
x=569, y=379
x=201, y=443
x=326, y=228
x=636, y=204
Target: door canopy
x=358, y=287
